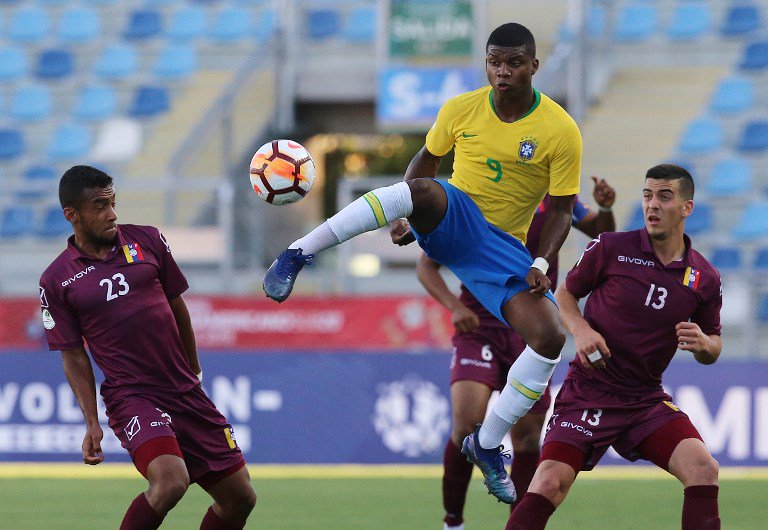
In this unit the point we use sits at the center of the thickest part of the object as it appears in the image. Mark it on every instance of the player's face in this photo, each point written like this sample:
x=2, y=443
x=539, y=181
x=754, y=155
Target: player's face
x=510, y=70
x=664, y=208
x=94, y=220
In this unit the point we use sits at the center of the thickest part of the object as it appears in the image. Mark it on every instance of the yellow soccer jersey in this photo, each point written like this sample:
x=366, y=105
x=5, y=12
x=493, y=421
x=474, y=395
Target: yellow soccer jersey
x=507, y=168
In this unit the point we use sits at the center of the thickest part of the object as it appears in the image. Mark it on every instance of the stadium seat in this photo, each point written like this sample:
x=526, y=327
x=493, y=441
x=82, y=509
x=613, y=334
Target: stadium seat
x=762, y=309
x=733, y=96
x=143, y=24
x=149, y=101
x=95, y=102
x=187, y=24
x=13, y=64
x=701, y=220
x=79, y=25
x=702, y=136
x=636, y=23
x=730, y=177
x=740, y=20
x=117, y=62
x=322, y=23
x=53, y=223
x=636, y=218
x=753, y=223
x=69, y=141
x=29, y=25
x=16, y=221
x=31, y=103
x=12, y=144
x=690, y=21
x=754, y=137
x=230, y=25
x=761, y=259
x=726, y=258
x=39, y=174
x=266, y=25
x=117, y=140
x=54, y=64
x=755, y=57
x=175, y=61
x=360, y=25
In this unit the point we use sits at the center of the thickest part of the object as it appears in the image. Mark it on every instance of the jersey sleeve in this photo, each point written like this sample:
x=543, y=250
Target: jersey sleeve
x=585, y=276
x=580, y=211
x=565, y=166
x=707, y=315
x=440, y=137
x=171, y=278
x=62, y=328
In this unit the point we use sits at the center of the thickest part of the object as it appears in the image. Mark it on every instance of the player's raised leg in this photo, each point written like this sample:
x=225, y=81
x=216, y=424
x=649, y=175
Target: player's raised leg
x=421, y=199
x=537, y=321
x=233, y=497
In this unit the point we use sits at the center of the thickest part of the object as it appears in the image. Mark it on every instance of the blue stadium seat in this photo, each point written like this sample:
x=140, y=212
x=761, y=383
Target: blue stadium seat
x=149, y=101
x=13, y=64
x=29, y=25
x=690, y=21
x=360, y=25
x=16, y=221
x=755, y=57
x=636, y=218
x=53, y=224
x=54, y=64
x=31, y=103
x=730, y=177
x=176, y=61
x=726, y=258
x=636, y=23
x=322, y=23
x=143, y=24
x=117, y=62
x=79, y=25
x=39, y=174
x=701, y=220
x=95, y=102
x=762, y=309
x=231, y=25
x=12, y=144
x=69, y=141
x=754, y=137
x=753, y=223
x=266, y=25
x=188, y=23
x=702, y=136
x=740, y=20
x=733, y=96
x=761, y=259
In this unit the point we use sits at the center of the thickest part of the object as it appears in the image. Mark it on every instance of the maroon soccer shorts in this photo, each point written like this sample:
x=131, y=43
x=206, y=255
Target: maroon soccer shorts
x=592, y=421
x=485, y=356
x=206, y=440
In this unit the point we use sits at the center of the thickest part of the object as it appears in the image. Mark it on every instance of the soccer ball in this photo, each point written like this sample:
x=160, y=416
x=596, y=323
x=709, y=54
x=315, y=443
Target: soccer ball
x=282, y=171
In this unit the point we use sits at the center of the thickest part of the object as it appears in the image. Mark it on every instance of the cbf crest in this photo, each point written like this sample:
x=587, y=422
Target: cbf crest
x=527, y=149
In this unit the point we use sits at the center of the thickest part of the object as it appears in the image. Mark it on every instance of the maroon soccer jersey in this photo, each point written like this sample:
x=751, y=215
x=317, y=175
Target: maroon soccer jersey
x=119, y=306
x=635, y=304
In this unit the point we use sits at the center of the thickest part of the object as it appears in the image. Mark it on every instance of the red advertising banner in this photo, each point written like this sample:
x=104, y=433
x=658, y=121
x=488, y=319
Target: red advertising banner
x=306, y=323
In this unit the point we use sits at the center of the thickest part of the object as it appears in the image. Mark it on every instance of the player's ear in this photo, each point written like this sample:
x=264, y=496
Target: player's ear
x=687, y=208
x=70, y=214
x=534, y=66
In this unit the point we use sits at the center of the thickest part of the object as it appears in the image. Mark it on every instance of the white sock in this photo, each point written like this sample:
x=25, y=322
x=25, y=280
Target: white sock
x=526, y=380
x=373, y=210
x=446, y=527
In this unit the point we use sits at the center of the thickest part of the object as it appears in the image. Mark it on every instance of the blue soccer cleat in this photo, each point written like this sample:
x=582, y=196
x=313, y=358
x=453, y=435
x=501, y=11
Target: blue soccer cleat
x=279, y=279
x=491, y=464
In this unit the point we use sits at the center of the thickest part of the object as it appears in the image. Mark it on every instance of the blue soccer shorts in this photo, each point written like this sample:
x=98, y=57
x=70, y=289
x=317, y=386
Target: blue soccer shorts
x=491, y=263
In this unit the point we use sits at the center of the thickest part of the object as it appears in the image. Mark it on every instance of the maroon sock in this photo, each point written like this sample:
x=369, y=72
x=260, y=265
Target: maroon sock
x=700, y=508
x=211, y=521
x=457, y=473
x=141, y=516
x=532, y=513
x=523, y=467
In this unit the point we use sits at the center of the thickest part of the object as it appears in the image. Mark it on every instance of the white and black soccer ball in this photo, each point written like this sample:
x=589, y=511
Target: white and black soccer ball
x=282, y=172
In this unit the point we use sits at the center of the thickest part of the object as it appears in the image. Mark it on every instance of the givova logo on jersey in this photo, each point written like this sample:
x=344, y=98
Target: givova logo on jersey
x=527, y=148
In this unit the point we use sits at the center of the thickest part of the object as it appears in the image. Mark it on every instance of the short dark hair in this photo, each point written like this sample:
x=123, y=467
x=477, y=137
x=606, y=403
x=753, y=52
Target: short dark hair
x=673, y=172
x=76, y=180
x=512, y=34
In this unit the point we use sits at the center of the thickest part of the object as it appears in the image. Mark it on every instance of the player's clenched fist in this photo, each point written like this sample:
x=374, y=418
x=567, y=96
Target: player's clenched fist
x=691, y=338
x=464, y=319
x=92, y=454
x=591, y=347
x=538, y=282
x=400, y=232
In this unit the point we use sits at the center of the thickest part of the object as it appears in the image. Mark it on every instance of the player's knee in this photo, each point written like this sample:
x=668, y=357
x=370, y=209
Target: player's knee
x=550, y=486
x=703, y=471
x=169, y=489
x=526, y=441
x=550, y=344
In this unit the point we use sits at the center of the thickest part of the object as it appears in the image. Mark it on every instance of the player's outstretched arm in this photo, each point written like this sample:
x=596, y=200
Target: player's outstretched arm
x=428, y=272
x=590, y=345
x=184, y=323
x=79, y=372
x=705, y=348
x=602, y=220
x=553, y=234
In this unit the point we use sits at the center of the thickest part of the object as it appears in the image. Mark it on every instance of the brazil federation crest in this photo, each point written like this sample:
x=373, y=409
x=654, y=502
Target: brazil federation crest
x=527, y=149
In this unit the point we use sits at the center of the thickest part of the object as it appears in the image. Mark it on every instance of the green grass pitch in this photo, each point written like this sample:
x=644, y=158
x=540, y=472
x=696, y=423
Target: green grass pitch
x=372, y=499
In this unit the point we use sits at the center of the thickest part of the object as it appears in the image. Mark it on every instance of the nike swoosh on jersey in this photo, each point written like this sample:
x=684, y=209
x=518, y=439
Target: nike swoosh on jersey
x=465, y=135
